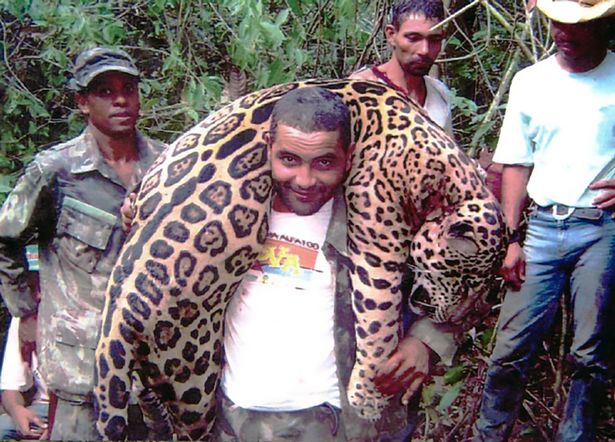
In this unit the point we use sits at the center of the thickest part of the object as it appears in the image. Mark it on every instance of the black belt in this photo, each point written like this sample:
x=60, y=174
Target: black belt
x=562, y=212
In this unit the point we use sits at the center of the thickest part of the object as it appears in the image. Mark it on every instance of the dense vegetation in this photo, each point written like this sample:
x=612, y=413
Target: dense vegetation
x=199, y=54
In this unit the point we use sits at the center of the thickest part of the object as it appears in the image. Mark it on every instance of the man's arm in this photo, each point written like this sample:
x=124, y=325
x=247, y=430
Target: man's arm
x=26, y=421
x=19, y=216
x=514, y=198
x=17, y=376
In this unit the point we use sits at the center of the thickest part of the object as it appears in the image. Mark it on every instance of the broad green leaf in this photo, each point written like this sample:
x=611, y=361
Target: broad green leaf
x=282, y=17
x=194, y=115
x=273, y=33
x=428, y=394
x=145, y=87
x=277, y=73
x=449, y=397
x=486, y=336
x=454, y=374
x=113, y=33
x=6, y=183
x=295, y=6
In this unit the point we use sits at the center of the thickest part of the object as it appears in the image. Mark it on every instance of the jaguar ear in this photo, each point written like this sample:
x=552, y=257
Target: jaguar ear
x=460, y=237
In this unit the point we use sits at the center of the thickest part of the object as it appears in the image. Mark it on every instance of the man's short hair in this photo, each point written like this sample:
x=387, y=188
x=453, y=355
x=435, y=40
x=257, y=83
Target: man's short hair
x=401, y=9
x=312, y=109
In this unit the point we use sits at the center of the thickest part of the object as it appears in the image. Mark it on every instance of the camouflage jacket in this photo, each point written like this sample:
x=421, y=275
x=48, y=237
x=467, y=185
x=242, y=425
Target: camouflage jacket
x=395, y=418
x=70, y=197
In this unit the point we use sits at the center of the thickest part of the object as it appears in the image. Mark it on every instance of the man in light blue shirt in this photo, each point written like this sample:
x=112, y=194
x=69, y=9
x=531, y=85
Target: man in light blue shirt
x=557, y=145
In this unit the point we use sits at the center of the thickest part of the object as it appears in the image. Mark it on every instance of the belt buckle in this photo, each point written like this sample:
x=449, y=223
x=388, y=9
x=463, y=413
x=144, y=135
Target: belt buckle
x=561, y=216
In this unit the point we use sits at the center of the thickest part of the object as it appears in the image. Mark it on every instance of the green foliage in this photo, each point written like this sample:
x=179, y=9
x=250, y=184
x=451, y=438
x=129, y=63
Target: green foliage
x=454, y=374
x=184, y=48
x=481, y=48
x=187, y=49
x=439, y=395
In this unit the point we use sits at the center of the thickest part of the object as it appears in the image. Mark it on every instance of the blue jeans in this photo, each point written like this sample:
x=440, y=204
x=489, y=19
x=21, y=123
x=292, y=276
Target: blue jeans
x=8, y=430
x=571, y=255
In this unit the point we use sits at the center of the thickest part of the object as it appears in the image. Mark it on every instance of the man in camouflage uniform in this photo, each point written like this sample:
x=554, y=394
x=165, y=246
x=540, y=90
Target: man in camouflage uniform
x=70, y=196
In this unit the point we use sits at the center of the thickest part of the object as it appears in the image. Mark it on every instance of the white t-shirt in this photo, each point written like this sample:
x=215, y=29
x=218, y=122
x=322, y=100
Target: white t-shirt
x=278, y=337
x=438, y=103
x=437, y=97
x=563, y=124
x=15, y=373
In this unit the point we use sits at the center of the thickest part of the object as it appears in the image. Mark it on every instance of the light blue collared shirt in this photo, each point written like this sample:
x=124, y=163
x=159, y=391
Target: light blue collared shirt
x=562, y=124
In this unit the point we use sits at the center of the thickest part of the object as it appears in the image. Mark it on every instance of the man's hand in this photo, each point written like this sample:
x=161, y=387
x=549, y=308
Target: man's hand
x=29, y=424
x=606, y=199
x=513, y=267
x=405, y=370
x=128, y=211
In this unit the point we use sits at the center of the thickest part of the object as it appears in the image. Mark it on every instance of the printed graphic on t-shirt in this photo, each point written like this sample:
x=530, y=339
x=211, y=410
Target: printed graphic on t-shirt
x=284, y=257
x=290, y=288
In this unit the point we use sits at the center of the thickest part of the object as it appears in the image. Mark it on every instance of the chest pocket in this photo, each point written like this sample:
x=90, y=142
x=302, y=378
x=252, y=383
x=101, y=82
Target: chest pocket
x=83, y=233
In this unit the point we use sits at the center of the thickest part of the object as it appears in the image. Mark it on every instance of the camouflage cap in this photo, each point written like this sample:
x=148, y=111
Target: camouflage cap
x=93, y=62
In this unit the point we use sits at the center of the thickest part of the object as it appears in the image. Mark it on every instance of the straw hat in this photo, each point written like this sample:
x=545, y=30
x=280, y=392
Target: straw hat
x=576, y=11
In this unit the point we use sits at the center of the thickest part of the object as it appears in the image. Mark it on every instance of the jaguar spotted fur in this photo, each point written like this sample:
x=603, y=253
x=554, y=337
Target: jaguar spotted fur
x=202, y=217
